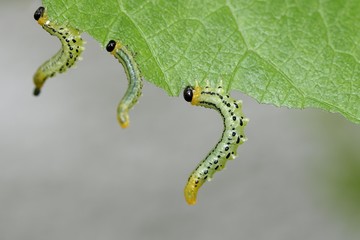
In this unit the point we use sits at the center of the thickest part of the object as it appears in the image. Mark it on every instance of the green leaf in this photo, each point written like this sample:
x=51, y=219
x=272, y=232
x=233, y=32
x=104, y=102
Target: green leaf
x=288, y=53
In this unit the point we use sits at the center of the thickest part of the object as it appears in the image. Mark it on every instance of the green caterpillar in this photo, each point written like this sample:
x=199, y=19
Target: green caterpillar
x=232, y=136
x=132, y=71
x=72, y=47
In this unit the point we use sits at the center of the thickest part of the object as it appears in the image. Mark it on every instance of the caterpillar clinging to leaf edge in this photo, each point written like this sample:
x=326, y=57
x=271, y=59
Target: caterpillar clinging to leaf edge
x=135, y=82
x=232, y=136
x=71, y=49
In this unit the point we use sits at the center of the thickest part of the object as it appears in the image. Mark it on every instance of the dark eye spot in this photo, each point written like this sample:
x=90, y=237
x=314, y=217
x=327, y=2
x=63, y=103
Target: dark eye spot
x=110, y=46
x=188, y=93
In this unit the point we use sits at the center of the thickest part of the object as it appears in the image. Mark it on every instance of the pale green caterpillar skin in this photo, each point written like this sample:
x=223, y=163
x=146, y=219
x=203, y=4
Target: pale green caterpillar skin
x=232, y=136
x=133, y=75
x=72, y=47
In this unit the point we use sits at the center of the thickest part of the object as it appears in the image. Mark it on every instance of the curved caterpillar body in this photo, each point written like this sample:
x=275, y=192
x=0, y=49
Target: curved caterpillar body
x=132, y=71
x=72, y=47
x=232, y=136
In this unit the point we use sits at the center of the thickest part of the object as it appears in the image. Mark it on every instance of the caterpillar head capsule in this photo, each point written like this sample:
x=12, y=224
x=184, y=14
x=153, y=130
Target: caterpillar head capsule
x=39, y=13
x=188, y=93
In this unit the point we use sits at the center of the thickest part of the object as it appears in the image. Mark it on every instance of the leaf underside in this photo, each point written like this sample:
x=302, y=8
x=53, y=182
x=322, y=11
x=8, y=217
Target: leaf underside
x=291, y=53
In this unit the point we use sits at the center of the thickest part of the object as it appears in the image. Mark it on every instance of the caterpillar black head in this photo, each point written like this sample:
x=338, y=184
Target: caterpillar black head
x=39, y=13
x=111, y=46
x=188, y=93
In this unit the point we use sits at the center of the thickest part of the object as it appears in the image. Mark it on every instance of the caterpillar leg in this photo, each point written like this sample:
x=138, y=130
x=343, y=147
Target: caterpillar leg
x=72, y=47
x=232, y=136
x=133, y=75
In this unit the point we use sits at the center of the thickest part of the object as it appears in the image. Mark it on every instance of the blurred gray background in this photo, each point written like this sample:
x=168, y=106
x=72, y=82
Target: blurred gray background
x=68, y=171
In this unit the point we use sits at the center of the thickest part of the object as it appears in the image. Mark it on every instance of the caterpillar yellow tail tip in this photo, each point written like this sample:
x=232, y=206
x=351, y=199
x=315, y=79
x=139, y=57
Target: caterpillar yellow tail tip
x=124, y=125
x=190, y=195
x=123, y=119
x=191, y=189
x=39, y=80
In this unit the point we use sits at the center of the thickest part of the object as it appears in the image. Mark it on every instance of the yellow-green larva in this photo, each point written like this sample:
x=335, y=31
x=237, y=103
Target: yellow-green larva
x=135, y=85
x=232, y=136
x=72, y=47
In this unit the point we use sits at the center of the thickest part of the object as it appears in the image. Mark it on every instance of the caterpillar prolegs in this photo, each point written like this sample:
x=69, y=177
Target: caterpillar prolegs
x=132, y=71
x=232, y=136
x=72, y=47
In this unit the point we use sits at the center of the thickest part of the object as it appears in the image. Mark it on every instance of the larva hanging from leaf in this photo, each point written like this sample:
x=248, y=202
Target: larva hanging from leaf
x=232, y=136
x=132, y=71
x=72, y=47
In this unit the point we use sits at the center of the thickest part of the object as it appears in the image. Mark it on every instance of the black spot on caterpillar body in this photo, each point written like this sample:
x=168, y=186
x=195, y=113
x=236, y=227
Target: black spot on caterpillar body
x=232, y=136
x=135, y=82
x=72, y=47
